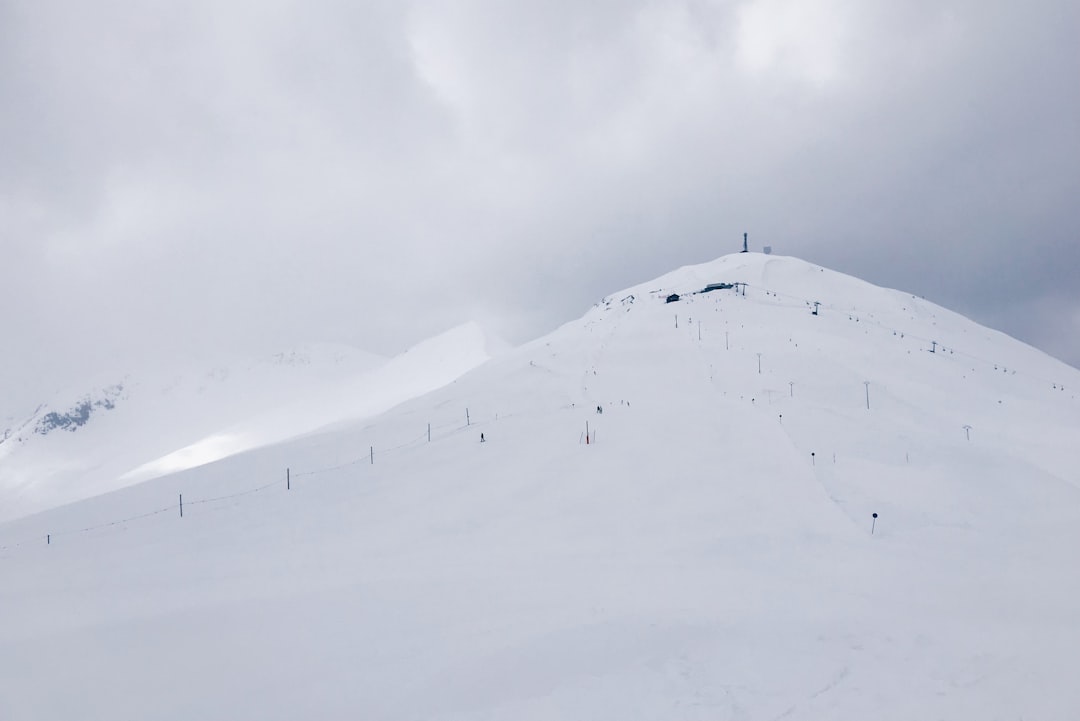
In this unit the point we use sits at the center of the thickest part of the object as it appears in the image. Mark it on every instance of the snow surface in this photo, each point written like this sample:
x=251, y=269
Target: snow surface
x=153, y=412
x=166, y=422
x=706, y=555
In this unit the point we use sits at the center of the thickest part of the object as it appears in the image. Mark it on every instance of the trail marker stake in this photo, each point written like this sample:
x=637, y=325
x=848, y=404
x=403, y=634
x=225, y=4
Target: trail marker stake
x=873, y=524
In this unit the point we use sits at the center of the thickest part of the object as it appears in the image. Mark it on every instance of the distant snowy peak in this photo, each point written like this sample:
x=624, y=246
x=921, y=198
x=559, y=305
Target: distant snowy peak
x=69, y=415
x=79, y=414
x=186, y=398
x=165, y=420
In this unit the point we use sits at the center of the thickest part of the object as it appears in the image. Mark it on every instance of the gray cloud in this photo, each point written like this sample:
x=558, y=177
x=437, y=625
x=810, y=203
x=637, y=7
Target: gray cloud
x=243, y=176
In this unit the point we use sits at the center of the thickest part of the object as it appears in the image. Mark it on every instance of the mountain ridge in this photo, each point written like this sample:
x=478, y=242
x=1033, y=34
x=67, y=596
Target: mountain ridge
x=720, y=507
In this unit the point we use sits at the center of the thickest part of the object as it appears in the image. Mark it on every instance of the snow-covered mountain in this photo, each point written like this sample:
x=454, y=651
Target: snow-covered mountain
x=750, y=489
x=143, y=425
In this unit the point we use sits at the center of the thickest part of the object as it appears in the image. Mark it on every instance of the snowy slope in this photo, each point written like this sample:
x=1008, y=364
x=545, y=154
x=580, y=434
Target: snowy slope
x=156, y=422
x=706, y=555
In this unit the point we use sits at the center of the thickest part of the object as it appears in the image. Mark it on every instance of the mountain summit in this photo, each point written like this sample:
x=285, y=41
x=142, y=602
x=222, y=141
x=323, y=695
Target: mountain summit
x=749, y=489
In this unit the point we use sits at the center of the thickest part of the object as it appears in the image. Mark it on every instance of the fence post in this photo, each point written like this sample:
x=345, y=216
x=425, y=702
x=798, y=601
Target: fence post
x=48, y=539
x=467, y=421
x=288, y=480
x=181, y=505
x=371, y=450
x=429, y=433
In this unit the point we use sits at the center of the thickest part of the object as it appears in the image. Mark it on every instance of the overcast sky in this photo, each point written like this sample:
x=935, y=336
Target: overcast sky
x=241, y=176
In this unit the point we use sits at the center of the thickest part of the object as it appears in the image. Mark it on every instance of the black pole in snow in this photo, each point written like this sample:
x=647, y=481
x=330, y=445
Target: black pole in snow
x=181, y=505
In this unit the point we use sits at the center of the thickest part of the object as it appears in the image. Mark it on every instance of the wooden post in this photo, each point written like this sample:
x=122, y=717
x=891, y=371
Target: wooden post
x=429, y=433
x=288, y=480
x=48, y=539
x=371, y=450
x=181, y=505
x=467, y=421
x=586, y=433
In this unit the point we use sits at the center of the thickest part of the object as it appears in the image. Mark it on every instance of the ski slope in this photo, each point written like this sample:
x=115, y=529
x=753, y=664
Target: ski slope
x=707, y=554
x=159, y=422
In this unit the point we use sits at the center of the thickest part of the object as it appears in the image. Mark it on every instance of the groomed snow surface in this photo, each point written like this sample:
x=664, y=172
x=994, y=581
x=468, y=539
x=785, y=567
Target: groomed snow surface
x=706, y=555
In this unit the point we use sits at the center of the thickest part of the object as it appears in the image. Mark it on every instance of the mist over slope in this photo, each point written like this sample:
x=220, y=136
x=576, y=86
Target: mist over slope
x=707, y=551
x=156, y=422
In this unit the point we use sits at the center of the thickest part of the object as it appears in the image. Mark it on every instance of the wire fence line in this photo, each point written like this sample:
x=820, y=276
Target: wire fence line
x=444, y=430
x=414, y=442
x=108, y=523
x=454, y=427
